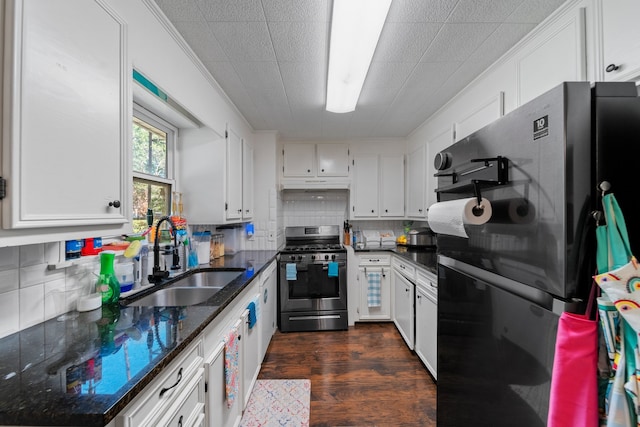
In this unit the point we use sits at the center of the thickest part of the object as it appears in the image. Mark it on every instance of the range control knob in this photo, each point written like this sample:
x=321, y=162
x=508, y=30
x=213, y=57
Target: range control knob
x=300, y=257
x=442, y=161
x=326, y=257
x=313, y=257
x=333, y=257
x=293, y=257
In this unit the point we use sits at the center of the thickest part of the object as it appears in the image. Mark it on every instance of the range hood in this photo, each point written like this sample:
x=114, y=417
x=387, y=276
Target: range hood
x=315, y=184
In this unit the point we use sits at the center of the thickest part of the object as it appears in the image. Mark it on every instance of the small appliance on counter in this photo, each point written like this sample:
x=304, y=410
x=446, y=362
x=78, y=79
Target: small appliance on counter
x=421, y=237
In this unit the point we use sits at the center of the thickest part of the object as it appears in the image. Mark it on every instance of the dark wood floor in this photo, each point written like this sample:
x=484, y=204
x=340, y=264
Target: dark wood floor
x=365, y=376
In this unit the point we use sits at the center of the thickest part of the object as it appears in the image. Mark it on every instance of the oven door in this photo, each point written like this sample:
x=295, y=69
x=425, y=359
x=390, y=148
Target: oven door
x=313, y=289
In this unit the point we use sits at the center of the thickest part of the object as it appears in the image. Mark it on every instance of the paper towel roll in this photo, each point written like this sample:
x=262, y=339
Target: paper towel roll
x=451, y=217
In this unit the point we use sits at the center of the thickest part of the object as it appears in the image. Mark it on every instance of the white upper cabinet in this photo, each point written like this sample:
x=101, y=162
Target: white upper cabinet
x=305, y=160
x=378, y=186
x=364, y=195
x=416, y=183
x=299, y=160
x=66, y=119
x=234, y=176
x=247, y=180
x=333, y=159
x=620, y=39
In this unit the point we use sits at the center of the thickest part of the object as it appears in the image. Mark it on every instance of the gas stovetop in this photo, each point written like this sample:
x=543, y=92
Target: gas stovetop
x=313, y=247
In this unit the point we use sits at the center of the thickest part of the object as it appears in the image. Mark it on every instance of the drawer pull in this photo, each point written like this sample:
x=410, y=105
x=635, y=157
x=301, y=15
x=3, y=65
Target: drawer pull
x=166, y=389
x=180, y=421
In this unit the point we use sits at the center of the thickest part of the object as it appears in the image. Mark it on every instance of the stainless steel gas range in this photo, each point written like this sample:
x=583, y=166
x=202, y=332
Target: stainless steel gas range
x=312, y=280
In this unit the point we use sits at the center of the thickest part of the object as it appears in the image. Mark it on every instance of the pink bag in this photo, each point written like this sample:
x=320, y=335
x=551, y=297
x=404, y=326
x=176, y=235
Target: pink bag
x=574, y=389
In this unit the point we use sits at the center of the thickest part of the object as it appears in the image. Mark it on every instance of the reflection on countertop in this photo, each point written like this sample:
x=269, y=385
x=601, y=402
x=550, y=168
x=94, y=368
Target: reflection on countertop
x=84, y=369
x=424, y=256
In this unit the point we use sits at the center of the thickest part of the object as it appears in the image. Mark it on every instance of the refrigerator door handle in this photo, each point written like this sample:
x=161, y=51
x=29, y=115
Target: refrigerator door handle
x=533, y=295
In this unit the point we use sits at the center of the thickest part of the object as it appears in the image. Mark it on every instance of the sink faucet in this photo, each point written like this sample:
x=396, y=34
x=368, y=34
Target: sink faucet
x=158, y=275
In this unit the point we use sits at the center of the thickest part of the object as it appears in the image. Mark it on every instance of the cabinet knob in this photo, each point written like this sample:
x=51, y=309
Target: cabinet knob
x=386, y=210
x=612, y=67
x=322, y=170
x=308, y=170
x=239, y=210
x=372, y=210
x=115, y=204
x=420, y=210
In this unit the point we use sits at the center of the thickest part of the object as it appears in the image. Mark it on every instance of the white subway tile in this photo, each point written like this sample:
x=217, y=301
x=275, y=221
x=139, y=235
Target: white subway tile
x=31, y=306
x=38, y=274
x=9, y=258
x=9, y=280
x=9, y=313
x=31, y=255
x=54, y=299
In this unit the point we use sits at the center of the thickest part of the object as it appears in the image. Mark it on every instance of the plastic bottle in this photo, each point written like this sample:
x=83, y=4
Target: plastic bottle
x=107, y=284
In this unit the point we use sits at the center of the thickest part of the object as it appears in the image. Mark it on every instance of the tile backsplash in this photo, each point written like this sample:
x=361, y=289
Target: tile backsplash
x=31, y=293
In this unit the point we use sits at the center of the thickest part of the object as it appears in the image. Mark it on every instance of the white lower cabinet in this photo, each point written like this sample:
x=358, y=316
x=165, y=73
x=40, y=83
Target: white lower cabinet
x=426, y=345
x=178, y=391
x=373, y=267
x=403, y=291
x=219, y=414
x=252, y=358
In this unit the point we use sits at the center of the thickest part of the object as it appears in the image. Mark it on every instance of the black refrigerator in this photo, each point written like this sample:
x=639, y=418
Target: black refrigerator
x=502, y=289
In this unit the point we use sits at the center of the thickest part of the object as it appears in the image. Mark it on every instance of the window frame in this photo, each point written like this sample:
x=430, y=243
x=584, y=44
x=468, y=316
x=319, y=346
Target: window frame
x=142, y=113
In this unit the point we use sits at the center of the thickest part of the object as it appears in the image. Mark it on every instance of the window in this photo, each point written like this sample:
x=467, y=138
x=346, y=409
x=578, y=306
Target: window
x=153, y=142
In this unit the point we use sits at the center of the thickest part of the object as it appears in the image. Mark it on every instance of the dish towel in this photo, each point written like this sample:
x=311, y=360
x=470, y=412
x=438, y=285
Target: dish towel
x=231, y=357
x=333, y=269
x=374, y=296
x=291, y=272
x=252, y=314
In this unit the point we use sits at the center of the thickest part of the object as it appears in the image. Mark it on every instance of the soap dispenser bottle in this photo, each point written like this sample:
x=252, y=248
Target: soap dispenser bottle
x=107, y=284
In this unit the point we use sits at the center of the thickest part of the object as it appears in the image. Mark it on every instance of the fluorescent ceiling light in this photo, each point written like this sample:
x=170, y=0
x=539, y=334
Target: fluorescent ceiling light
x=355, y=29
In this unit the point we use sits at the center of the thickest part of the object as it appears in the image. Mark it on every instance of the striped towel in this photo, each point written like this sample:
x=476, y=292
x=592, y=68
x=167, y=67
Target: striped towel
x=374, y=296
x=231, y=358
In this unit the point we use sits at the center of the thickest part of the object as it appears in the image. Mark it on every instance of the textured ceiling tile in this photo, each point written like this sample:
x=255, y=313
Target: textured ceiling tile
x=304, y=83
x=483, y=10
x=244, y=41
x=383, y=82
x=297, y=10
x=420, y=10
x=534, y=12
x=226, y=76
x=200, y=38
x=263, y=82
x=180, y=10
x=300, y=41
x=235, y=10
x=499, y=42
x=455, y=42
x=405, y=41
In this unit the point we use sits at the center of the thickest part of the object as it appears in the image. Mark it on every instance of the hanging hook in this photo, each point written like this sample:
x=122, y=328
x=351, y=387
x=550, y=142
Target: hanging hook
x=604, y=186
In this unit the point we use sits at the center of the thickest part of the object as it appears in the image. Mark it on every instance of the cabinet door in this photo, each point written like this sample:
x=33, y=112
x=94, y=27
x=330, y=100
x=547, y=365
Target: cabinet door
x=298, y=160
x=392, y=185
x=218, y=413
x=251, y=354
x=403, y=295
x=383, y=311
x=333, y=159
x=67, y=125
x=234, y=176
x=365, y=186
x=247, y=180
x=416, y=183
x=268, y=304
x=427, y=329
x=621, y=39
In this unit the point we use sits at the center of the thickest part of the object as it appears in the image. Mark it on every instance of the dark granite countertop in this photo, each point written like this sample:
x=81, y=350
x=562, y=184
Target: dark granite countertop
x=85, y=370
x=425, y=257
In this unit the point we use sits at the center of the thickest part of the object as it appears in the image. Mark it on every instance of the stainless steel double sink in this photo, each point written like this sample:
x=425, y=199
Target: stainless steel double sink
x=192, y=289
